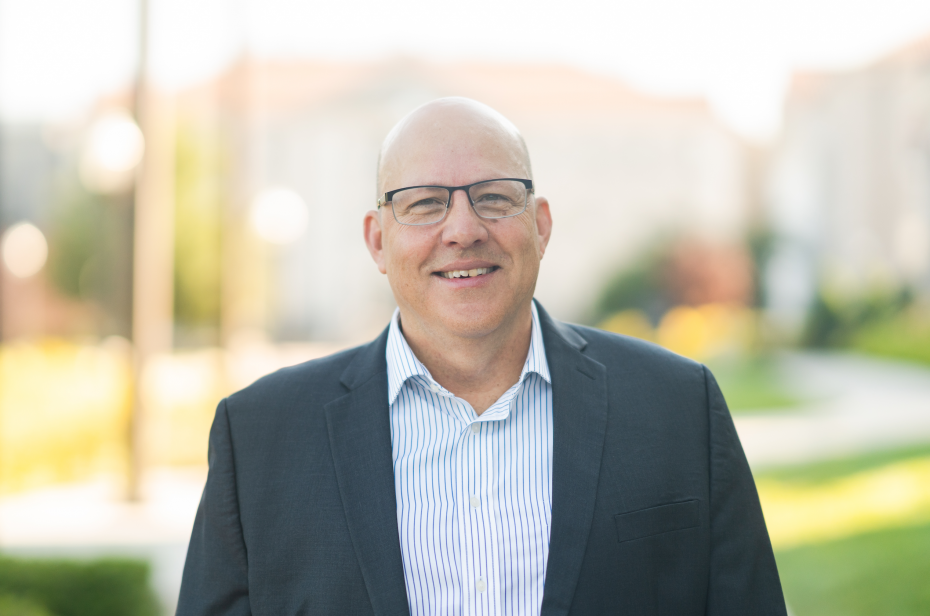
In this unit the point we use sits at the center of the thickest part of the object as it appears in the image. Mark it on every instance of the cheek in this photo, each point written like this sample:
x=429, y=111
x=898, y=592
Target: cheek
x=526, y=243
x=405, y=253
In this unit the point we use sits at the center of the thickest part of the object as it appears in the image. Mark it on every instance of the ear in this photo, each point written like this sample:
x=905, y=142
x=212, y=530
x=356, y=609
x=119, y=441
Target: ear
x=543, y=224
x=373, y=239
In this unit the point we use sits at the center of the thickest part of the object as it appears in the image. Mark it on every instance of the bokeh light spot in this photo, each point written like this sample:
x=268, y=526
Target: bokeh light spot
x=279, y=215
x=24, y=249
x=112, y=150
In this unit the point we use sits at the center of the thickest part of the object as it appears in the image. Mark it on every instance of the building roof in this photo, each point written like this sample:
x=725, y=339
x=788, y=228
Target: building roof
x=543, y=89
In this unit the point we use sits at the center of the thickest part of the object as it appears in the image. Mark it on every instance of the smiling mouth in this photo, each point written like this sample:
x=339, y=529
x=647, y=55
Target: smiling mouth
x=472, y=273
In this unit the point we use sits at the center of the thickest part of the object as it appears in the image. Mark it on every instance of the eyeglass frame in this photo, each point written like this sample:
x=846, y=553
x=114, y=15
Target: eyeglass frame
x=389, y=195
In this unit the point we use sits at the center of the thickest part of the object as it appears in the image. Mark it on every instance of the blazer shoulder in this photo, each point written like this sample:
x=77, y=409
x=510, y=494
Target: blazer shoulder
x=648, y=381
x=611, y=349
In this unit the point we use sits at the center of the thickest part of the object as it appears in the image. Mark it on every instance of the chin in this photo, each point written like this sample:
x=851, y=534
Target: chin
x=473, y=321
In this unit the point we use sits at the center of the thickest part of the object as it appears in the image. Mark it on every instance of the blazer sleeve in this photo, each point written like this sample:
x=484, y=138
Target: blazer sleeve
x=215, y=579
x=743, y=575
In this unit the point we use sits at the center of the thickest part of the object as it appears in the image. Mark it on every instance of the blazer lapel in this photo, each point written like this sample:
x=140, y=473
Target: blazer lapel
x=360, y=439
x=579, y=421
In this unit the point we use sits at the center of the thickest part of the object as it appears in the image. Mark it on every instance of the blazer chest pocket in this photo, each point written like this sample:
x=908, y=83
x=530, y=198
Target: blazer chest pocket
x=657, y=520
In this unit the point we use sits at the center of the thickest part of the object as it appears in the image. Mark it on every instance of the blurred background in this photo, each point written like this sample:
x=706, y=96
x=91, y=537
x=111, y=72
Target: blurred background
x=181, y=193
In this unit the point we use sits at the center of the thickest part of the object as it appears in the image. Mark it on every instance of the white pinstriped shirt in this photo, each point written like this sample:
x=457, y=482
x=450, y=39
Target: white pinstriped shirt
x=474, y=494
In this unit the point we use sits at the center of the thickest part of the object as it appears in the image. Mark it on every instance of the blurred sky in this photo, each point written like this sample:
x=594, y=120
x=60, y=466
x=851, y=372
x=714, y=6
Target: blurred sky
x=58, y=55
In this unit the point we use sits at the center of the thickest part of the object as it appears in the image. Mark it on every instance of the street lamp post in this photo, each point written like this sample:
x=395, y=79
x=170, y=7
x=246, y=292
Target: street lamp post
x=153, y=243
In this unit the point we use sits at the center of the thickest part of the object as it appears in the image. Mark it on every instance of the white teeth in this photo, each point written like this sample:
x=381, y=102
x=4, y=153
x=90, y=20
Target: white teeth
x=466, y=273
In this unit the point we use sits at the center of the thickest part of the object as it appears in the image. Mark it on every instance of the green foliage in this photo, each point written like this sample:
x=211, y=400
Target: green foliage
x=876, y=573
x=12, y=605
x=834, y=320
x=197, y=230
x=107, y=587
x=638, y=287
x=90, y=254
x=904, y=336
x=889, y=324
x=761, y=243
x=78, y=235
x=752, y=384
x=649, y=284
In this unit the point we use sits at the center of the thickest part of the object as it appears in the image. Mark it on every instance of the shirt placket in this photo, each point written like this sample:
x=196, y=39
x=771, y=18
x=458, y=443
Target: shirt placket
x=477, y=521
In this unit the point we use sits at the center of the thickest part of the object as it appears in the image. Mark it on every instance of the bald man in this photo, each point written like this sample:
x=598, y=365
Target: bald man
x=479, y=457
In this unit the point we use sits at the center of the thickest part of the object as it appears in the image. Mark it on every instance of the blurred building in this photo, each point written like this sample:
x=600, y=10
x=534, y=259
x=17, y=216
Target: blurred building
x=28, y=166
x=849, y=194
x=39, y=185
x=620, y=169
x=30, y=169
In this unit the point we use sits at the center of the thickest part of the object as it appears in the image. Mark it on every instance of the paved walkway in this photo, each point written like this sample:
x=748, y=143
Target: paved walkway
x=857, y=404
x=90, y=521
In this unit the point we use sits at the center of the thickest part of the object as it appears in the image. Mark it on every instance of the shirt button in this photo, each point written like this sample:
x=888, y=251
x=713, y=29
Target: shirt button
x=474, y=502
x=481, y=586
x=436, y=388
x=475, y=428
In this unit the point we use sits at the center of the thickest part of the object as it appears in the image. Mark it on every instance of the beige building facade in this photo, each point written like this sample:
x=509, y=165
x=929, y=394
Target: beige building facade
x=620, y=169
x=849, y=184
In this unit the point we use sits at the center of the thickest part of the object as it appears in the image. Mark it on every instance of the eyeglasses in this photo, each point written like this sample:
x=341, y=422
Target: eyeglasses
x=427, y=205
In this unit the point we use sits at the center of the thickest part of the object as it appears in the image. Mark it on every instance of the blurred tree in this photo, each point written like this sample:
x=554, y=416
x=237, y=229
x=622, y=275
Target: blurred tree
x=90, y=252
x=761, y=246
x=698, y=272
x=78, y=235
x=637, y=287
x=835, y=319
x=904, y=336
x=680, y=272
x=197, y=237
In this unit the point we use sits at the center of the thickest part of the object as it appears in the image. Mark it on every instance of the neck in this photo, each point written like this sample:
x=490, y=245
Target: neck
x=477, y=369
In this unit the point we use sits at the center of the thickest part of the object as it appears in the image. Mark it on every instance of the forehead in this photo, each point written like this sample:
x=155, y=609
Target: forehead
x=452, y=147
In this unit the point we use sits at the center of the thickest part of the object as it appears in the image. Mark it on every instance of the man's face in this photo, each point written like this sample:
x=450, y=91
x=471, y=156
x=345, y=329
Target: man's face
x=450, y=147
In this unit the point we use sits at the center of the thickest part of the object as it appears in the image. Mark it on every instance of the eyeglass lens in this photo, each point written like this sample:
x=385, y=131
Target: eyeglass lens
x=426, y=205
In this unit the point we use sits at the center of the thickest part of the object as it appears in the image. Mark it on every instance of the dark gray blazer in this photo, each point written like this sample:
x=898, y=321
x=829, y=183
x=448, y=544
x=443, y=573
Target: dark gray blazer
x=654, y=510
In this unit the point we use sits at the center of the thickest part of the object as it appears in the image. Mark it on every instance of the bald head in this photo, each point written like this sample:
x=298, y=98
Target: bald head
x=455, y=142
x=435, y=138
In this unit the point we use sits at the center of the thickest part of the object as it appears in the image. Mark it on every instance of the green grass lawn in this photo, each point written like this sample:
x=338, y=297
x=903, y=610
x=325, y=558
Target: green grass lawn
x=753, y=384
x=885, y=572
x=875, y=574
x=829, y=470
x=905, y=336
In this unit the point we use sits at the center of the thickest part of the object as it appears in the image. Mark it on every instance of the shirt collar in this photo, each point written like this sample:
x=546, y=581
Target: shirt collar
x=402, y=364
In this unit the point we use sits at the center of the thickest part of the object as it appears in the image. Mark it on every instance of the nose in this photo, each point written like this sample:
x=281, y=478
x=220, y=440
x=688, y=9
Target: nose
x=462, y=227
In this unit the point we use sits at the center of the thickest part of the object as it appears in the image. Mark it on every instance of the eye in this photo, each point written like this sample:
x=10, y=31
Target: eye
x=491, y=197
x=427, y=203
